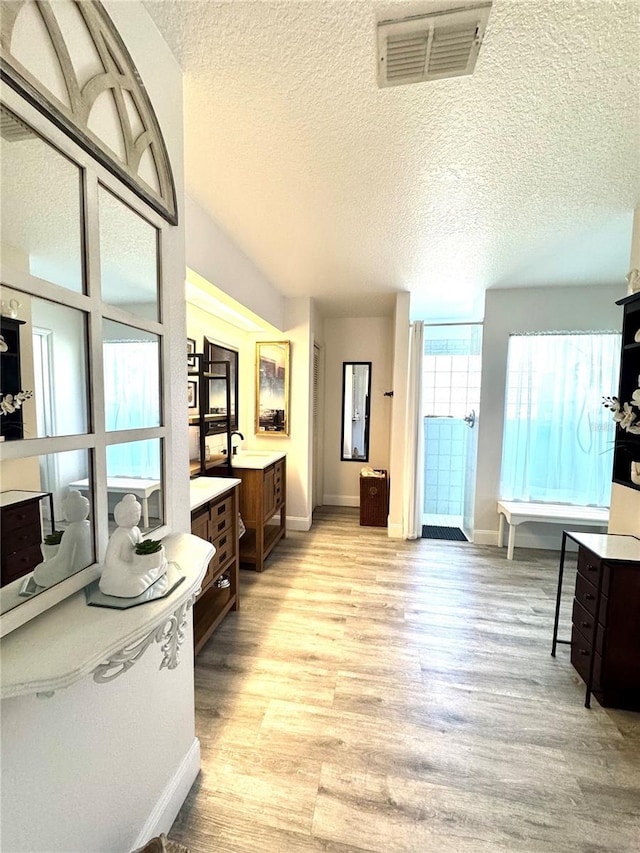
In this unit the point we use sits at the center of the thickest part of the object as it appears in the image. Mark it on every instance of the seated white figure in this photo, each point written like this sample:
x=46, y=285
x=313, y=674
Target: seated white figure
x=127, y=574
x=74, y=552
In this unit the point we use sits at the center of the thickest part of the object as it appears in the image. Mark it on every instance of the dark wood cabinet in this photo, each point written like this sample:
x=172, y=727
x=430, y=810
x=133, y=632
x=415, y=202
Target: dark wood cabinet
x=217, y=522
x=11, y=425
x=605, y=630
x=22, y=533
x=262, y=496
x=627, y=445
x=210, y=388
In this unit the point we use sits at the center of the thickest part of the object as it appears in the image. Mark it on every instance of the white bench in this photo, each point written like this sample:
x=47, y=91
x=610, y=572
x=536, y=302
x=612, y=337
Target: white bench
x=517, y=512
x=137, y=486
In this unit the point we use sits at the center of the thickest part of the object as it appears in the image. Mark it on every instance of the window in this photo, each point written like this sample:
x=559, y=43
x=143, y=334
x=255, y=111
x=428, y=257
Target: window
x=558, y=438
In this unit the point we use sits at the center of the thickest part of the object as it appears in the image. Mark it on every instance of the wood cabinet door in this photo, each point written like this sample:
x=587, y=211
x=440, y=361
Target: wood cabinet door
x=268, y=493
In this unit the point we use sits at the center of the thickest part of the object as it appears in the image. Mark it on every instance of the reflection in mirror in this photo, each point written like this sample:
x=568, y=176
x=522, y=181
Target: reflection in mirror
x=356, y=394
x=128, y=258
x=131, y=377
x=42, y=495
x=214, y=354
x=134, y=468
x=40, y=206
x=43, y=348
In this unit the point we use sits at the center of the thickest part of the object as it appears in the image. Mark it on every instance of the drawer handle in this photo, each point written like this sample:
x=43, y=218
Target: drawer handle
x=221, y=525
x=591, y=568
x=584, y=652
x=223, y=557
x=222, y=508
x=223, y=541
x=585, y=624
x=589, y=596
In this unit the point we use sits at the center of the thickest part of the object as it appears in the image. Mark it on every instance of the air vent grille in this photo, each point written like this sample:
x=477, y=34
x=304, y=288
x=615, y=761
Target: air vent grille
x=431, y=47
x=12, y=128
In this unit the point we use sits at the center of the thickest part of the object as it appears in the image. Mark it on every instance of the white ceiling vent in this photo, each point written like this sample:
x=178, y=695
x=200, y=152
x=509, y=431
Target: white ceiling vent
x=432, y=46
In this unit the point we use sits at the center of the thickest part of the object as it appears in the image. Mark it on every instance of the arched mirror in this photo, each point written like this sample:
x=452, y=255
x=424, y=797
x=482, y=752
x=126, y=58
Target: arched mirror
x=356, y=395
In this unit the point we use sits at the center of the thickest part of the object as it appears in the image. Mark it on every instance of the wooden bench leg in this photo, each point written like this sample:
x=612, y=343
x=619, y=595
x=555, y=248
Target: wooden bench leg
x=512, y=541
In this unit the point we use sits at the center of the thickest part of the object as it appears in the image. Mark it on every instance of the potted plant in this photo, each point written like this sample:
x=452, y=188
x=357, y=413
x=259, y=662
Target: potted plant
x=51, y=544
x=149, y=555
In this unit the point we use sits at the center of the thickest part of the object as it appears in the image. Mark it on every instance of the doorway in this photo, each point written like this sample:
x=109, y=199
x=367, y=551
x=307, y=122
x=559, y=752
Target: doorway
x=451, y=402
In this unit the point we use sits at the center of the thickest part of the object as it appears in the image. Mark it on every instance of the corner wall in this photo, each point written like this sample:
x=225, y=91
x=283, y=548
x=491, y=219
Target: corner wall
x=525, y=310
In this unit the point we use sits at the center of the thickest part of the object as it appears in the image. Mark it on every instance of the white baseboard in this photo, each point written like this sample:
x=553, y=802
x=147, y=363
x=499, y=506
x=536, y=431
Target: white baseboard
x=341, y=500
x=166, y=809
x=299, y=522
x=395, y=531
x=550, y=541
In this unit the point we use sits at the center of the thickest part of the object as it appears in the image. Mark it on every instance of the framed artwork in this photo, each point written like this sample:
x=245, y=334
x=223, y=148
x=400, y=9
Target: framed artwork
x=192, y=397
x=272, y=388
x=215, y=356
x=191, y=350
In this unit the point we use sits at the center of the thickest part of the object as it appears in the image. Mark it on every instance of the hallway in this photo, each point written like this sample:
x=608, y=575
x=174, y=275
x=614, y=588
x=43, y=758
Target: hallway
x=384, y=695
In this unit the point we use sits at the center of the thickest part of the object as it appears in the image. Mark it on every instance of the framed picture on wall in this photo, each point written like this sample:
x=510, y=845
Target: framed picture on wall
x=191, y=350
x=272, y=388
x=215, y=355
x=192, y=397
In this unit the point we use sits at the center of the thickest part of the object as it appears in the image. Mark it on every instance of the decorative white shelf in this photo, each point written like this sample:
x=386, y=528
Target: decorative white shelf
x=73, y=640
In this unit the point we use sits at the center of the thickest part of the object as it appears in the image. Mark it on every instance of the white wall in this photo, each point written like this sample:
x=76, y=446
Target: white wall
x=356, y=339
x=625, y=502
x=214, y=256
x=525, y=310
x=84, y=770
x=398, y=414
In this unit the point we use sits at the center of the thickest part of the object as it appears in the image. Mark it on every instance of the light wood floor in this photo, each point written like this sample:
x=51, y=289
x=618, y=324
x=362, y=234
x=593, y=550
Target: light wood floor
x=378, y=695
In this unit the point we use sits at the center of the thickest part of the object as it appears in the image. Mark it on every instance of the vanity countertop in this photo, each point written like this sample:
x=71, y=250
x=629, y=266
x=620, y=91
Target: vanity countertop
x=205, y=489
x=255, y=458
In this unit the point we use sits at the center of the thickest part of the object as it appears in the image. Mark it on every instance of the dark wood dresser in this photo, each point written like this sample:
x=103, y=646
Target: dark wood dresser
x=605, y=631
x=21, y=533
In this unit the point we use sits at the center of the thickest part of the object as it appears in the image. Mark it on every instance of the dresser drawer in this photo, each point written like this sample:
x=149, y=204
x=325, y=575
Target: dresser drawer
x=583, y=621
x=225, y=551
x=16, y=565
x=220, y=518
x=591, y=567
x=586, y=595
x=17, y=540
x=21, y=515
x=581, y=657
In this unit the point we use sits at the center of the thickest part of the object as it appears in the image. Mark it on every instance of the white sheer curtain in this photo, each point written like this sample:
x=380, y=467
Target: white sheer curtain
x=132, y=366
x=558, y=438
x=414, y=439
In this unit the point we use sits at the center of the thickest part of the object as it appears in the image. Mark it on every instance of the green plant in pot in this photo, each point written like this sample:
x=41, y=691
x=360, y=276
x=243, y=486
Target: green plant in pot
x=149, y=555
x=148, y=546
x=51, y=543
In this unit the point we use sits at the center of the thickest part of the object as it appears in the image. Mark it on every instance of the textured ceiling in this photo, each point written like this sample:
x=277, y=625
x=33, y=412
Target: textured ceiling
x=525, y=173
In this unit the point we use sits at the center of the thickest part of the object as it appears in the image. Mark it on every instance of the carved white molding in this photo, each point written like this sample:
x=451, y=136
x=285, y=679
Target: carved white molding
x=44, y=656
x=171, y=633
x=106, y=67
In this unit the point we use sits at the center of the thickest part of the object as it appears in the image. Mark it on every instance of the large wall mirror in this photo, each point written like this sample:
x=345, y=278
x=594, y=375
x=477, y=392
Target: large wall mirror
x=81, y=384
x=356, y=396
x=215, y=355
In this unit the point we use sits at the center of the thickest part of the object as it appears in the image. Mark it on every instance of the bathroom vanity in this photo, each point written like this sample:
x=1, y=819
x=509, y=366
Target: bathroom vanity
x=263, y=503
x=214, y=517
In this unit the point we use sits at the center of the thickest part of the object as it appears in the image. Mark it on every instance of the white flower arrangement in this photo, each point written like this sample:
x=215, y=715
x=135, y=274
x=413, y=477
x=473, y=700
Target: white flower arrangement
x=626, y=415
x=9, y=403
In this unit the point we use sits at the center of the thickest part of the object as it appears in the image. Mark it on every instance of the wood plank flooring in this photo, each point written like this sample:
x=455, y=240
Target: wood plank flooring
x=390, y=697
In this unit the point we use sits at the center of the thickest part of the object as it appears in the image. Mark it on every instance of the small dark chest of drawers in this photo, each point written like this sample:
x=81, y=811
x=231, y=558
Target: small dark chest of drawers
x=21, y=526
x=605, y=631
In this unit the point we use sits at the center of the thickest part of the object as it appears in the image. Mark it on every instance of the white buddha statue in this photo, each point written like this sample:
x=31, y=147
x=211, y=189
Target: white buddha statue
x=127, y=574
x=74, y=552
